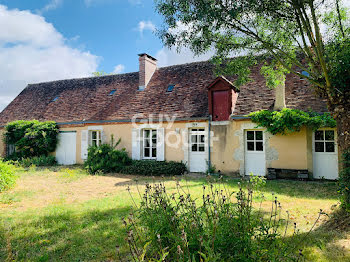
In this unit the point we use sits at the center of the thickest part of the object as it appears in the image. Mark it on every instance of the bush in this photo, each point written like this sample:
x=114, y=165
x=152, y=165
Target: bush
x=38, y=161
x=8, y=176
x=106, y=159
x=155, y=168
x=219, y=226
x=31, y=138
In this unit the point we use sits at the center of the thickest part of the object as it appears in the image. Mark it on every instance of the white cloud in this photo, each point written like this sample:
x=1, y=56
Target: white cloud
x=146, y=25
x=31, y=50
x=167, y=57
x=173, y=56
x=118, y=69
x=52, y=5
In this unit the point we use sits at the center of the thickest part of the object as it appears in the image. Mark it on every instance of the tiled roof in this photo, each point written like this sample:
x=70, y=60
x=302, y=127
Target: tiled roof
x=88, y=98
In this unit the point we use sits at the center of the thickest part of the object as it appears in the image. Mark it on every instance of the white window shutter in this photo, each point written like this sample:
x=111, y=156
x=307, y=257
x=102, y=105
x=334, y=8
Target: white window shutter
x=136, y=143
x=84, y=144
x=160, y=145
x=104, y=139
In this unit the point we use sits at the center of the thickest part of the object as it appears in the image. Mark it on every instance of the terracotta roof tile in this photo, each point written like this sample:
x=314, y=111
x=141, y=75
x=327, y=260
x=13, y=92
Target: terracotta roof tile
x=89, y=99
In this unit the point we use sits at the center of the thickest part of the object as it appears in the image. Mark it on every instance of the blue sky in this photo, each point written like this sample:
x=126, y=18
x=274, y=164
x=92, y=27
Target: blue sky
x=44, y=40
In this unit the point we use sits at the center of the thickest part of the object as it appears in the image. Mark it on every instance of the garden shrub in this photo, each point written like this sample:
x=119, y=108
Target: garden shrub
x=8, y=175
x=155, y=168
x=106, y=158
x=218, y=226
x=38, y=161
x=31, y=138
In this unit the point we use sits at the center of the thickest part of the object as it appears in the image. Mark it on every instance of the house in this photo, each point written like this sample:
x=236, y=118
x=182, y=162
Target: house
x=180, y=113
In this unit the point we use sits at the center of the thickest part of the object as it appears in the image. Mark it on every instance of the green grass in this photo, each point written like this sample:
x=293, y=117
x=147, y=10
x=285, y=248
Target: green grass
x=71, y=216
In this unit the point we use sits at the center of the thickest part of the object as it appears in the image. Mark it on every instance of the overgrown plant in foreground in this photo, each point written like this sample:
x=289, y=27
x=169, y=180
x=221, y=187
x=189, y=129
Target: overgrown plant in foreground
x=219, y=226
x=8, y=176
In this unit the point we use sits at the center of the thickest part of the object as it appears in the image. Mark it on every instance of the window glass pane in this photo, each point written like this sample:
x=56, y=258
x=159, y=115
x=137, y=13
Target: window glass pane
x=201, y=148
x=154, y=152
x=250, y=135
x=330, y=147
x=319, y=147
x=250, y=146
x=94, y=143
x=200, y=129
x=147, y=143
x=259, y=146
x=258, y=135
x=154, y=142
x=94, y=134
x=146, y=133
x=319, y=135
x=146, y=152
x=194, y=148
x=329, y=134
x=194, y=130
x=154, y=134
x=193, y=138
x=201, y=138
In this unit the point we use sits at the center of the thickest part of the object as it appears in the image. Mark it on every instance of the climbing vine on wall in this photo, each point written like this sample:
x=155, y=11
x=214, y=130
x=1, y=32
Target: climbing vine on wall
x=290, y=120
x=32, y=138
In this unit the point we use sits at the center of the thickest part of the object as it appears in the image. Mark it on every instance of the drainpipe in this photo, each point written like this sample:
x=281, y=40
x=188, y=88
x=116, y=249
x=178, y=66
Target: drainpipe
x=209, y=153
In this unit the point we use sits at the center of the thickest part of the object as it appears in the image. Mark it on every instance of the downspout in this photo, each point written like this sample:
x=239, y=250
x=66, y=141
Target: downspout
x=209, y=151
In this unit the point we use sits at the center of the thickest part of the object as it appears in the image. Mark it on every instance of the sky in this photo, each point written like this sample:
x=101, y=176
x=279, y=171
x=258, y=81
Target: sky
x=45, y=40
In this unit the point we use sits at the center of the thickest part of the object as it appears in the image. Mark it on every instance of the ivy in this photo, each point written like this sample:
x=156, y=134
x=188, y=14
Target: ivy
x=290, y=120
x=31, y=138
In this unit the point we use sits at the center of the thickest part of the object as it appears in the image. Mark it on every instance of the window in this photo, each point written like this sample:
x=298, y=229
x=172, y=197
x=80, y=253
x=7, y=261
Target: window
x=149, y=143
x=55, y=99
x=304, y=73
x=197, y=140
x=112, y=92
x=170, y=88
x=95, y=138
x=255, y=141
x=325, y=141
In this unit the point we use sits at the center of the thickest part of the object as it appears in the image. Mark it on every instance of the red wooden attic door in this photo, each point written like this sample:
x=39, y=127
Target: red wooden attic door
x=222, y=97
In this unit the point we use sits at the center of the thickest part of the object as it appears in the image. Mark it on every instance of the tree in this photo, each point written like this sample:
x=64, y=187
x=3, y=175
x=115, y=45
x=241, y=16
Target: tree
x=290, y=35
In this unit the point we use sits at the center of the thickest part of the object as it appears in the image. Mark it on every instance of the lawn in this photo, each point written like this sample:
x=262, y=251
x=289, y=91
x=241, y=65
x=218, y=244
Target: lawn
x=64, y=214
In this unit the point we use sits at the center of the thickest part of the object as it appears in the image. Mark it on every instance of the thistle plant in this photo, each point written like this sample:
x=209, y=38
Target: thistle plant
x=221, y=225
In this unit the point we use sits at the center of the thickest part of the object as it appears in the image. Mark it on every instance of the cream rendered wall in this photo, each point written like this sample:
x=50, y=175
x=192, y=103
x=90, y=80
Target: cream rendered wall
x=2, y=143
x=224, y=145
x=175, y=133
x=292, y=150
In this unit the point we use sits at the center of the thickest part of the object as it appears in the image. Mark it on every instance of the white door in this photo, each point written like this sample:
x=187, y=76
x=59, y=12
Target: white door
x=197, y=150
x=325, y=154
x=255, y=153
x=66, y=148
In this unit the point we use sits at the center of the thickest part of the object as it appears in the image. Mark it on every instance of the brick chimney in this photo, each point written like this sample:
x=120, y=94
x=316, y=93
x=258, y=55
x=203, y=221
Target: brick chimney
x=147, y=66
x=280, y=95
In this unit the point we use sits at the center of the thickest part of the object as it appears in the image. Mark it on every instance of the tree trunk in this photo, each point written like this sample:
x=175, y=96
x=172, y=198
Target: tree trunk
x=342, y=116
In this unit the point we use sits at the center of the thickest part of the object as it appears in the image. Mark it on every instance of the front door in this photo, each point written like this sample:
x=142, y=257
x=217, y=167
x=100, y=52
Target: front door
x=197, y=150
x=255, y=153
x=325, y=154
x=66, y=148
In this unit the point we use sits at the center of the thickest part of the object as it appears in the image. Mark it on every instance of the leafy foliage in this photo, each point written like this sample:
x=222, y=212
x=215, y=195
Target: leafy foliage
x=8, y=176
x=290, y=120
x=155, y=168
x=106, y=158
x=219, y=226
x=32, y=138
x=38, y=161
